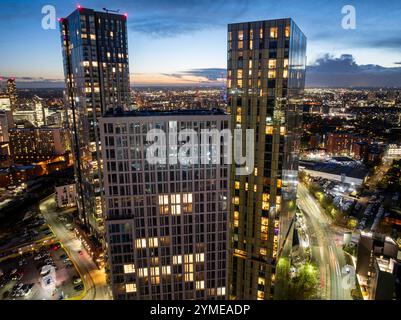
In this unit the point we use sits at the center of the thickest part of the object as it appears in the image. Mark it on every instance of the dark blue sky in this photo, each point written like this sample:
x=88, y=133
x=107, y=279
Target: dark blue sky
x=179, y=41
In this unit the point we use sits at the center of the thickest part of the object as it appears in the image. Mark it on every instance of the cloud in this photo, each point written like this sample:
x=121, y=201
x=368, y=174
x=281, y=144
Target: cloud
x=35, y=82
x=160, y=18
x=330, y=71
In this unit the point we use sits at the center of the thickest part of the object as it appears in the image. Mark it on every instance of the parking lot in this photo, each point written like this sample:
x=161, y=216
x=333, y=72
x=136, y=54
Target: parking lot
x=47, y=274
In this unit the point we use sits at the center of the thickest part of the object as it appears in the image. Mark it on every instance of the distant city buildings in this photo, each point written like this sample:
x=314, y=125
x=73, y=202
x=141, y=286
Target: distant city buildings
x=166, y=224
x=266, y=78
x=33, y=145
x=95, y=52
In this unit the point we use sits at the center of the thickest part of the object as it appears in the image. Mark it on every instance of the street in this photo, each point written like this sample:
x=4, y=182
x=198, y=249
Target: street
x=94, y=279
x=328, y=256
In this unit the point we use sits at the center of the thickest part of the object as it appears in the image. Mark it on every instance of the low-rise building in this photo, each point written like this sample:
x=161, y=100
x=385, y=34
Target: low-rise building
x=66, y=196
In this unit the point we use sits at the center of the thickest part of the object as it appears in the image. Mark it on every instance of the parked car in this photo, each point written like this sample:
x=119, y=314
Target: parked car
x=79, y=287
x=77, y=280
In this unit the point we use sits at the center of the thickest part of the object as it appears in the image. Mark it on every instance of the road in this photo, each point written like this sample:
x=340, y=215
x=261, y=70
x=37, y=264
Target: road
x=328, y=256
x=94, y=279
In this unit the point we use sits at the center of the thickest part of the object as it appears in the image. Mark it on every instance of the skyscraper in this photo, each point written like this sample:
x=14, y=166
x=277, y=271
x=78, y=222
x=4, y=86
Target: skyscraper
x=266, y=77
x=95, y=53
x=12, y=93
x=167, y=224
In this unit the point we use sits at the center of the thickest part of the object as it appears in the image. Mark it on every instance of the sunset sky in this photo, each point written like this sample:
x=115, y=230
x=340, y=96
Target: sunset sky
x=184, y=42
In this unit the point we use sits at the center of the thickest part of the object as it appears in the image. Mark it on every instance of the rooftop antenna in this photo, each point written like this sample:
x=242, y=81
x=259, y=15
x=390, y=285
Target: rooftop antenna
x=113, y=11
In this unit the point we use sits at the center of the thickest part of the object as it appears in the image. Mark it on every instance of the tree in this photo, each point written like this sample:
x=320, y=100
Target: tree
x=304, y=286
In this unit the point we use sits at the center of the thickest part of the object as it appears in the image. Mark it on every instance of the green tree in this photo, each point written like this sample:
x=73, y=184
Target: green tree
x=304, y=286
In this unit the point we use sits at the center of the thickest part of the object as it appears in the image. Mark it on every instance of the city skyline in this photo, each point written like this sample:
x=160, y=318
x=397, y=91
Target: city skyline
x=192, y=38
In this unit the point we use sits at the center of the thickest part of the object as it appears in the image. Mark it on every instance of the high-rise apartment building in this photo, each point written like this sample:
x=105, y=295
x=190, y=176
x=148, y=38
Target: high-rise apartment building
x=167, y=224
x=266, y=77
x=32, y=145
x=12, y=93
x=95, y=53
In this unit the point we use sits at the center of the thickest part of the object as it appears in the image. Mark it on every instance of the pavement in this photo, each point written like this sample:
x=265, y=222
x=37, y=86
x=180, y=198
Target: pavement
x=94, y=279
x=326, y=248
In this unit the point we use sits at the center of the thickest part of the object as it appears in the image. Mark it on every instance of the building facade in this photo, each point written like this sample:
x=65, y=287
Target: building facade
x=167, y=224
x=95, y=53
x=12, y=93
x=33, y=145
x=66, y=196
x=266, y=78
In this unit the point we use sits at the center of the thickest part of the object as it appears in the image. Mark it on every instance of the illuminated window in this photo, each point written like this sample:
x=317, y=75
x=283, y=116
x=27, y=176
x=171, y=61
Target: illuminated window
x=200, y=285
x=177, y=259
x=269, y=130
x=287, y=31
x=239, y=83
x=221, y=291
x=187, y=198
x=237, y=185
x=143, y=272
x=274, y=32
x=236, y=200
x=286, y=63
x=188, y=258
x=129, y=268
x=188, y=277
x=285, y=74
x=250, y=64
x=261, y=281
x=153, y=242
x=141, y=243
x=272, y=63
x=239, y=73
x=261, y=33
x=261, y=295
x=93, y=37
x=130, y=287
x=240, y=44
x=166, y=270
x=282, y=130
x=238, y=118
x=240, y=35
x=200, y=257
x=271, y=74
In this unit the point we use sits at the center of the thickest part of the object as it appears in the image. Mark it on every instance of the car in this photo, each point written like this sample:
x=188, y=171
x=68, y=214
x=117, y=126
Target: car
x=79, y=287
x=56, y=247
x=4, y=280
x=22, y=262
x=77, y=280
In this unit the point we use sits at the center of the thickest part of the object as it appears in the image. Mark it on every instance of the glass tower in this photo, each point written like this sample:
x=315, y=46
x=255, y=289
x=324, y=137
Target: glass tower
x=266, y=78
x=95, y=53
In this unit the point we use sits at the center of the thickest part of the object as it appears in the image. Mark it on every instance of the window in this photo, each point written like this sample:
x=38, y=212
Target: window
x=271, y=74
x=287, y=31
x=129, y=268
x=272, y=63
x=130, y=287
x=240, y=35
x=274, y=32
